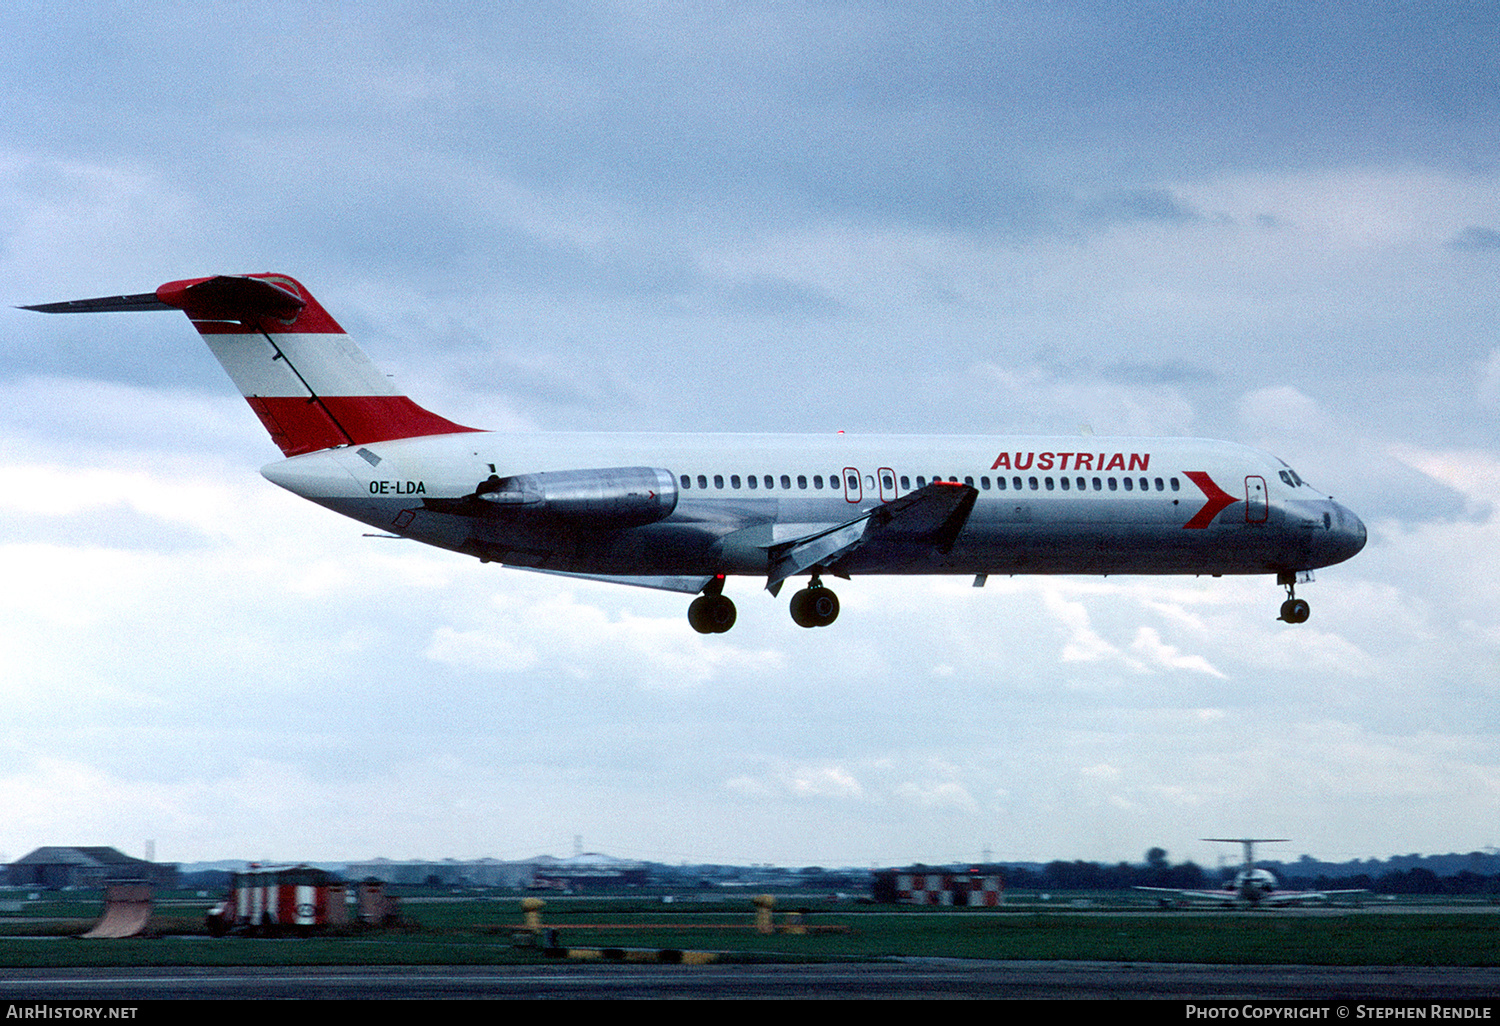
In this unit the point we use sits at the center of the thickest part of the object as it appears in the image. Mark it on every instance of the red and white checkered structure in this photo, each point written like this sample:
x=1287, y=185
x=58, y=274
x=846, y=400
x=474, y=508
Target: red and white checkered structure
x=273, y=899
x=949, y=889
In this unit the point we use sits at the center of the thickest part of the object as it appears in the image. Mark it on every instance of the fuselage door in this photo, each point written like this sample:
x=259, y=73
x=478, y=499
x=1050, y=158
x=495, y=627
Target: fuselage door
x=887, y=483
x=853, y=492
x=1256, y=508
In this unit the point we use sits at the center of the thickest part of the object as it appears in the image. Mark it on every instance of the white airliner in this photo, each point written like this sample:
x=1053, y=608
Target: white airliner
x=1250, y=886
x=682, y=512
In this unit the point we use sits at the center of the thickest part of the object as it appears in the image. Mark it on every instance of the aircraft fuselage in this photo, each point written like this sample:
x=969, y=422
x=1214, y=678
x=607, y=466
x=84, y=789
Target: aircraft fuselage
x=1124, y=506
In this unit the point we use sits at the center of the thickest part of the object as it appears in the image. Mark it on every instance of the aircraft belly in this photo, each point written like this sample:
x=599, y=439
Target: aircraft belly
x=1009, y=544
x=658, y=549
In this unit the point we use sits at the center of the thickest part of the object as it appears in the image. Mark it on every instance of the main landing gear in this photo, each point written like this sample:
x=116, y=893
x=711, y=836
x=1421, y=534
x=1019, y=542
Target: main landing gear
x=712, y=612
x=815, y=605
x=1293, y=610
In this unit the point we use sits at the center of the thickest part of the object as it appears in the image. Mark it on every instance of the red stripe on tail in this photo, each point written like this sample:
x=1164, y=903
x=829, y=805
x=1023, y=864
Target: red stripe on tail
x=301, y=425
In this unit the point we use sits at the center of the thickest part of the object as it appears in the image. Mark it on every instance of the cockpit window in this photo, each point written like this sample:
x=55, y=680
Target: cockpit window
x=1290, y=477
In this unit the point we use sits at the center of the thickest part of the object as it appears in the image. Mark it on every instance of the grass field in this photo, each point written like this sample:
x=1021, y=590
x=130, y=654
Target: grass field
x=478, y=931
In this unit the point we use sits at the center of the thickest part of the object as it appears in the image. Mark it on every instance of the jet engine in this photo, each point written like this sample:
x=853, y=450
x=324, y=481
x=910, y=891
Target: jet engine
x=615, y=497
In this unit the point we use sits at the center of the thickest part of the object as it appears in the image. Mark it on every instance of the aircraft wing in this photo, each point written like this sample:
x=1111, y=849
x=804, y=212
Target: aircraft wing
x=1213, y=897
x=934, y=514
x=1233, y=897
x=686, y=585
x=1296, y=897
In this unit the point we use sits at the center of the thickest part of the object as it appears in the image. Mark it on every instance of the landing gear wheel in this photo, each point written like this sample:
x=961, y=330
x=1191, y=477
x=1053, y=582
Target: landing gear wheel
x=1295, y=610
x=799, y=608
x=815, y=606
x=712, y=614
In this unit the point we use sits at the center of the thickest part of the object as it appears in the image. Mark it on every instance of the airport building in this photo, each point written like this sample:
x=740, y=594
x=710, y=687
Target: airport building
x=57, y=868
x=442, y=872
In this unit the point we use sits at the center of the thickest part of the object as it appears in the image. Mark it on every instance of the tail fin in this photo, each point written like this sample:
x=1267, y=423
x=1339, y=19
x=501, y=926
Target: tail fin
x=311, y=386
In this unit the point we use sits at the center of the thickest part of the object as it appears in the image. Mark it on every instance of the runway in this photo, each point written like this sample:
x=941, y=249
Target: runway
x=906, y=978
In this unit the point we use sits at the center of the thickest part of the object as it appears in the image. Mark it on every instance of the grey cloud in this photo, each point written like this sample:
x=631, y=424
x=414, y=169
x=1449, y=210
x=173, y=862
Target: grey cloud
x=1475, y=238
x=1166, y=372
x=1138, y=205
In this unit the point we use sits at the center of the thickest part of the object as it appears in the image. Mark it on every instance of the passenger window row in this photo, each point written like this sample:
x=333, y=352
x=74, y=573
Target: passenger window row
x=769, y=481
x=1000, y=484
x=1066, y=483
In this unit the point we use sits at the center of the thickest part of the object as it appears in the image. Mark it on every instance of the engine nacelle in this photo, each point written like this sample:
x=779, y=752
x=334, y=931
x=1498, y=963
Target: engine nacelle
x=613, y=497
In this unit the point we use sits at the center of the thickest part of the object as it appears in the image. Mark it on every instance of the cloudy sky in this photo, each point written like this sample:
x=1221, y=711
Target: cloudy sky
x=1272, y=223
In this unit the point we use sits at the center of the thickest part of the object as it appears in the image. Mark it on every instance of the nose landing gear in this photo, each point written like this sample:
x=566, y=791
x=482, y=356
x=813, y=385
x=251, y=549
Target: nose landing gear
x=1293, y=610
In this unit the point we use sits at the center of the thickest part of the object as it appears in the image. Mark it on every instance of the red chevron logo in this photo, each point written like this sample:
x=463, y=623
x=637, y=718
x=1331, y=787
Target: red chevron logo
x=1218, y=499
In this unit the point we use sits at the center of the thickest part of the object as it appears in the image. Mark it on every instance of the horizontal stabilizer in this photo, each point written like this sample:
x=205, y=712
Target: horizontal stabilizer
x=935, y=513
x=104, y=304
x=224, y=297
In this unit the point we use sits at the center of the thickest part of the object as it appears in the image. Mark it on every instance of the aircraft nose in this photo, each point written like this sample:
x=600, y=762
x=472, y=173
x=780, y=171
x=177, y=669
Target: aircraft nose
x=1348, y=533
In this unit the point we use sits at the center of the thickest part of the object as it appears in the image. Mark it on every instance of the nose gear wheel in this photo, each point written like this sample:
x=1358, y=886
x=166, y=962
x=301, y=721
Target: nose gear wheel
x=1293, y=610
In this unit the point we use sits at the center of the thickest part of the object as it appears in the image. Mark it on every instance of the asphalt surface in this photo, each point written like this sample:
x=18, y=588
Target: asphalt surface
x=908, y=978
